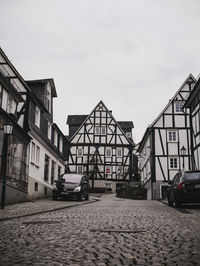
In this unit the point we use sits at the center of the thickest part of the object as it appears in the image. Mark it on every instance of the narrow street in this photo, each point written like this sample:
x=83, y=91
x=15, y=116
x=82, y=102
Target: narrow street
x=111, y=231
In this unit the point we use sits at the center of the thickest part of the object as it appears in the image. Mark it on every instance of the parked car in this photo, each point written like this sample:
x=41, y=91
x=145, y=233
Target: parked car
x=70, y=186
x=184, y=188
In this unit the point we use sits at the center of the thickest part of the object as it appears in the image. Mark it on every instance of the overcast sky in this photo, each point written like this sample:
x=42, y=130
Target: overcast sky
x=132, y=54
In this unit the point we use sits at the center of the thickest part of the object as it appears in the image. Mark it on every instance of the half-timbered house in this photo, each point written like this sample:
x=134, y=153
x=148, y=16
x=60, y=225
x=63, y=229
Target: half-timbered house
x=48, y=147
x=14, y=94
x=101, y=148
x=193, y=103
x=160, y=148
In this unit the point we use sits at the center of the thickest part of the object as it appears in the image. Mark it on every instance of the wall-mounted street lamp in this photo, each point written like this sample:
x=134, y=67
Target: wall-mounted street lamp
x=183, y=153
x=7, y=129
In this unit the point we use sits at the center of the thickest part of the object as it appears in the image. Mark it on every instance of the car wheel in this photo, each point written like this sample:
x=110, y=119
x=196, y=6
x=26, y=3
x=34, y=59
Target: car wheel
x=80, y=197
x=54, y=198
x=177, y=202
x=87, y=197
x=170, y=203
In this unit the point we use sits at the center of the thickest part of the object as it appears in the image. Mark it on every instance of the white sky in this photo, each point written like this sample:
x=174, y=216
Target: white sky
x=132, y=54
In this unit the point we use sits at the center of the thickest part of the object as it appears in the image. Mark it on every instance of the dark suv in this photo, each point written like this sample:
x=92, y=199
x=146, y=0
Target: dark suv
x=184, y=188
x=70, y=186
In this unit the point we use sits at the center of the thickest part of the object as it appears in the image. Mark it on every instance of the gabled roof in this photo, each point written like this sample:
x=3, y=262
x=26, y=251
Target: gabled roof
x=75, y=119
x=189, y=78
x=42, y=82
x=126, y=124
x=173, y=98
x=16, y=75
x=193, y=94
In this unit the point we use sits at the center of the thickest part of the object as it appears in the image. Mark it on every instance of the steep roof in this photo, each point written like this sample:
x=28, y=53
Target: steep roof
x=76, y=119
x=148, y=130
x=193, y=94
x=173, y=98
x=42, y=83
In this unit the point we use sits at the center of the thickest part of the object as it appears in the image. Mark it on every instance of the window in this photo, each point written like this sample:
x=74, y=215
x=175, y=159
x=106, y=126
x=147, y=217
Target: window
x=33, y=152
x=46, y=168
x=45, y=191
x=119, y=152
x=178, y=107
x=36, y=186
x=55, y=138
x=172, y=136
x=1, y=95
x=37, y=116
x=103, y=130
x=80, y=152
x=108, y=152
x=59, y=170
x=60, y=144
x=4, y=99
x=128, y=135
x=37, y=155
x=79, y=169
x=49, y=130
x=97, y=130
x=173, y=163
x=53, y=165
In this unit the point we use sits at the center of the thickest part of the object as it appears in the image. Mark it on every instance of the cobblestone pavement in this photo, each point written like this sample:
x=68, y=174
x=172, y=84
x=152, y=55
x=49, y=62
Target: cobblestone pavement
x=40, y=206
x=112, y=231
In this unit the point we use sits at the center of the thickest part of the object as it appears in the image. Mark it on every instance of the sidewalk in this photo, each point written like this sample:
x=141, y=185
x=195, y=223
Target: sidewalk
x=40, y=206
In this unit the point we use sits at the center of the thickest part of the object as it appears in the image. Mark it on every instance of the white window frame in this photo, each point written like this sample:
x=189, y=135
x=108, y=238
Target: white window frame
x=108, y=152
x=4, y=99
x=55, y=138
x=103, y=130
x=49, y=130
x=178, y=107
x=97, y=130
x=33, y=152
x=173, y=162
x=37, y=155
x=172, y=135
x=80, y=169
x=61, y=144
x=119, y=152
x=128, y=135
x=79, y=152
x=37, y=116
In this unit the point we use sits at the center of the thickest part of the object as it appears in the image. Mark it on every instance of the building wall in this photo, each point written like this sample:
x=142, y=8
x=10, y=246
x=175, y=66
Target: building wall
x=165, y=138
x=36, y=169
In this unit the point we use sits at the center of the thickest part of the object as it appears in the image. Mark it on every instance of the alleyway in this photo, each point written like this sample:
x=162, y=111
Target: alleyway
x=111, y=231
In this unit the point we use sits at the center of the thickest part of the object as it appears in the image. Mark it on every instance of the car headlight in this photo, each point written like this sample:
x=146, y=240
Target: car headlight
x=77, y=189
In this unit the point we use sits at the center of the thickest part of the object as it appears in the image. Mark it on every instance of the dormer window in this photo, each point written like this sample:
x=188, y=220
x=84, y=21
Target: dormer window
x=178, y=107
x=128, y=135
x=37, y=117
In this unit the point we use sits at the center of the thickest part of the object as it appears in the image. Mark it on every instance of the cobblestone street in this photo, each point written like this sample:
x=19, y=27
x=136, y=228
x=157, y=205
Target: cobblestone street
x=111, y=231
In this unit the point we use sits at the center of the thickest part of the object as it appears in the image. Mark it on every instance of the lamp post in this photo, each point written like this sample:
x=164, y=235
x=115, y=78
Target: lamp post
x=7, y=128
x=183, y=153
